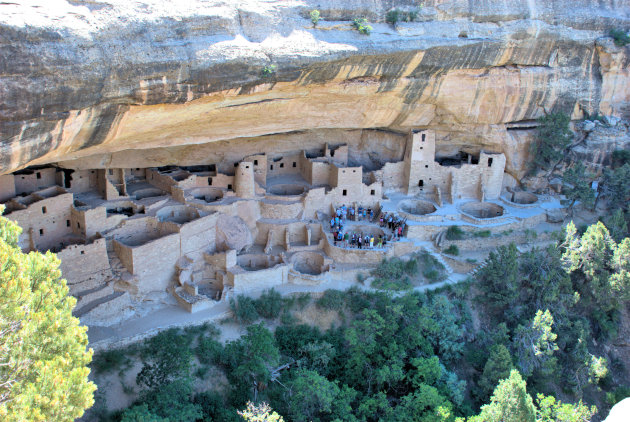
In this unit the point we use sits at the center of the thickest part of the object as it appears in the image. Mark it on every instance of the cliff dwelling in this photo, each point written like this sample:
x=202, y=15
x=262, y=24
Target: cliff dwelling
x=204, y=233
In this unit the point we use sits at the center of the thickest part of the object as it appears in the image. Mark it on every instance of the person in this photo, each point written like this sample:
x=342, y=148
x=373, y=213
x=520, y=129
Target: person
x=360, y=214
x=380, y=241
x=400, y=231
x=371, y=241
x=389, y=221
x=364, y=213
x=332, y=223
x=344, y=212
x=353, y=241
x=336, y=221
x=359, y=241
x=351, y=213
x=338, y=212
x=340, y=236
x=345, y=239
x=335, y=238
x=380, y=221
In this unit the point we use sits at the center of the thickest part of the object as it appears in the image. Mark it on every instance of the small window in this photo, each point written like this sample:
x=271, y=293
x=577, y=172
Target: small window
x=426, y=166
x=246, y=167
x=424, y=136
x=82, y=252
x=345, y=192
x=354, y=171
x=92, y=172
x=230, y=187
x=332, y=153
x=343, y=171
x=255, y=162
x=67, y=223
x=39, y=175
x=41, y=232
x=209, y=181
x=43, y=210
x=294, y=164
x=137, y=169
x=78, y=225
x=420, y=183
x=490, y=162
x=271, y=167
x=421, y=148
x=372, y=192
x=111, y=172
x=281, y=165
x=235, y=164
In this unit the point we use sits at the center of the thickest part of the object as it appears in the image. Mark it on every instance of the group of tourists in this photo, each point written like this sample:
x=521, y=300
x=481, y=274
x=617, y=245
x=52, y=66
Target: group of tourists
x=394, y=223
x=346, y=238
x=358, y=240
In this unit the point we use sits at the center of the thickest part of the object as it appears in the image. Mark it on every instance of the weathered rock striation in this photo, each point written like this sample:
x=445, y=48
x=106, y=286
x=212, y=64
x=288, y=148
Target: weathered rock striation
x=93, y=84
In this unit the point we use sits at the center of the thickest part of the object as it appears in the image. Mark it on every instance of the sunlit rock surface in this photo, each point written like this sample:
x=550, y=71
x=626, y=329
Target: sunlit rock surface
x=126, y=83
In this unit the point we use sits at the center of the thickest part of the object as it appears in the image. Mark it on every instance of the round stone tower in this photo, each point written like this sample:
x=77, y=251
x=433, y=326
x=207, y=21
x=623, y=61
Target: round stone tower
x=244, y=186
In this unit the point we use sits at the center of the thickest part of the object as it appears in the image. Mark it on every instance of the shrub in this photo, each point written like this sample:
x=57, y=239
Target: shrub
x=454, y=233
x=413, y=15
x=108, y=361
x=209, y=351
x=268, y=71
x=244, y=309
x=269, y=304
x=361, y=25
x=393, y=16
x=452, y=250
x=315, y=16
x=620, y=37
x=482, y=233
x=431, y=275
x=471, y=260
x=332, y=300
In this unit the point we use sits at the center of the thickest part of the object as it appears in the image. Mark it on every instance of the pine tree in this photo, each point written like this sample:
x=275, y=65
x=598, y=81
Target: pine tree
x=497, y=367
x=43, y=349
x=509, y=402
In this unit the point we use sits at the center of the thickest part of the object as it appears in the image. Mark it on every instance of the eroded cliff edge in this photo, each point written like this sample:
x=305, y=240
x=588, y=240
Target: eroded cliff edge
x=140, y=83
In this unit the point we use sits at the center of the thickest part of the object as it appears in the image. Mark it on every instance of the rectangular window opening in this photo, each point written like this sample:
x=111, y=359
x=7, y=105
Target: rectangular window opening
x=420, y=183
x=43, y=210
x=229, y=187
x=82, y=252
x=294, y=164
x=209, y=181
x=235, y=164
x=490, y=162
x=281, y=165
x=345, y=192
x=255, y=162
x=78, y=225
x=39, y=175
x=67, y=223
x=372, y=192
x=271, y=167
x=424, y=136
x=41, y=232
x=111, y=172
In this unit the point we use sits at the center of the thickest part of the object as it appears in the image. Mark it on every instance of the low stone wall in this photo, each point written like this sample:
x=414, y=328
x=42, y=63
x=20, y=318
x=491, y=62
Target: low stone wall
x=246, y=281
x=277, y=210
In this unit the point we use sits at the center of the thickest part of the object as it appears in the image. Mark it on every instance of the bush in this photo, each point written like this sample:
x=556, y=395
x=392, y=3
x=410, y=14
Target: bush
x=482, y=233
x=452, y=250
x=432, y=275
x=315, y=16
x=393, y=16
x=331, y=300
x=244, y=309
x=413, y=15
x=620, y=37
x=268, y=71
x=269, y=304
x=108, y=361
x=361, y=25
x=209, y=351
x=454, y=233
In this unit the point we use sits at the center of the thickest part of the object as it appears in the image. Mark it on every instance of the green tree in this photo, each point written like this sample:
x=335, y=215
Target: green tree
x=550, y=410
x=499, y=279
x=140, y=413
x=535, y=344
x=616, y=187
x=576, y=186
x=311, y=395
x=498, y=367
x=509, y=402
x=617, y=225
x=552, y=138
x=166, y=357
x=43, y=349
x=259, y=413
x=315, y=17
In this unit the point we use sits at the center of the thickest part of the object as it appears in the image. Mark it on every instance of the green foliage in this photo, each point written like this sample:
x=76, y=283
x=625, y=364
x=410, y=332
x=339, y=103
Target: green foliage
x=498, y=367
x=454, y=233
x=617, y=225
x=332, y=300
x=109, y=361
x=576, y=186
x=550, y=410
x=393, y=16
x=311, y=395
x=140, y=413
x=413, y=15
x=620, y=157
x=553, y=137
x=499, y=279
x=452, y=250
x=43, y=349
x=393, y=274
x=315, y=16
x=535, y=344
x=482, y=233
x=509, y=402
x=259, y=413
x=269, y=304
x=244, y=309
x=268, y=70
x=620, y=37
x=362, y=25
x=167, y=357
x=616, y=187
x=173, y=402
x=618, y=394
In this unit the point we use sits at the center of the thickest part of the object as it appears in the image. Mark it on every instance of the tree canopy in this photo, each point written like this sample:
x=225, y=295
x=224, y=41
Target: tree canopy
x=43, y=349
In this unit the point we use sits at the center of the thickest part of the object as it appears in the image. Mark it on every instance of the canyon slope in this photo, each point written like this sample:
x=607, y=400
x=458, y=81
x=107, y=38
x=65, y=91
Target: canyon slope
x=139, y=83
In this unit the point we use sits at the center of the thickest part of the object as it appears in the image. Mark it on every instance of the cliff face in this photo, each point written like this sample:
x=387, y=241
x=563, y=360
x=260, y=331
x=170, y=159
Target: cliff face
x=118, y=82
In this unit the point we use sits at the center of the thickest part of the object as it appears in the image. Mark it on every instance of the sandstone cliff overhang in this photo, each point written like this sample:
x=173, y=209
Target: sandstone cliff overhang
x=92, y=79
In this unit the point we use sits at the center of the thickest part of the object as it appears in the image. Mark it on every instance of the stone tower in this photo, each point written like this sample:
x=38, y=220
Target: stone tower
x=244, y=185
x=420, y=162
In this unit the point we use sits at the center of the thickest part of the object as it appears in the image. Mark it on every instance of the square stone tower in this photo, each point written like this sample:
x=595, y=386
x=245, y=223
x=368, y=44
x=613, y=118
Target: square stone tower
x=420, y=162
